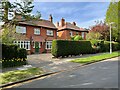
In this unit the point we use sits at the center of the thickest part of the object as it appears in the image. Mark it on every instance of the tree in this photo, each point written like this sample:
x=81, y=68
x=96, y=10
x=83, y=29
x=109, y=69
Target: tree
x=112, y=16
x=102, y=28
x=76, y=38
x=93, y=36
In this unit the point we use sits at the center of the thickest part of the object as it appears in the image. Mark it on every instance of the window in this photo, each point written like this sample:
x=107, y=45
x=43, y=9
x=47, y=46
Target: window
x=23, y=44
x=50, y=32
x=71, y=33
x=48, y=44
x=20, y=29
x=57, y=34
x=34, y=44
x=77, y=33
x=82, y=34
x=37, y=31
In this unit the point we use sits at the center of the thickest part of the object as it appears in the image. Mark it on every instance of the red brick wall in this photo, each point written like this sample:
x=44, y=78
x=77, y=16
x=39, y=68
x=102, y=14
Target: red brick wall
x=43, y=33
x=65, y=34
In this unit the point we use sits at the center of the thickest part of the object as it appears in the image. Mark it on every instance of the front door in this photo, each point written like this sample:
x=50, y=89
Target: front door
x=37, y=47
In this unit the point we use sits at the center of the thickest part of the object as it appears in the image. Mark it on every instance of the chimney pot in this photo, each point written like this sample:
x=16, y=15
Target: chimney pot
x=74, y=23
x=62, y=22
x=57, y=24
x=50, y=18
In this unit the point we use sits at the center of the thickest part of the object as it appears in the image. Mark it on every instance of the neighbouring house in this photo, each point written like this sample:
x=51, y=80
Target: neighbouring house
x=66, y=30
x=37, y=35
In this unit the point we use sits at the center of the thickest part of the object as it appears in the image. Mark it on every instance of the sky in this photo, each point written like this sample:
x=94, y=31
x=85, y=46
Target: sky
x=83, y=13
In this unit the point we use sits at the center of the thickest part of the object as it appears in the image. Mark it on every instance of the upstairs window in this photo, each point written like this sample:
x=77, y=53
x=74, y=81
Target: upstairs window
x=37, y=31
x=50, y=32
x=83, y=34
x=20, y=29
x=71, y=33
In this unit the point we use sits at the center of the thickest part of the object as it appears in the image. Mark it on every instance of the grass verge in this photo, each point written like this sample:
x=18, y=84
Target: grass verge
x=13, y=76
x=91, y=59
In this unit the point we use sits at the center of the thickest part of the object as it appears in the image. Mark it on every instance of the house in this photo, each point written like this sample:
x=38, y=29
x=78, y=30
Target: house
x=36, y=35
x=66, y=30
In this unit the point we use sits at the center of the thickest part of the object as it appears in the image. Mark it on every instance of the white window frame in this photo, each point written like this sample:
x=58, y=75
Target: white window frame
x=36, y=31
x=50, y=32
x=21, y=29
x=23, y=44
x=49, y=44
x=71, y=33
x=83, y=34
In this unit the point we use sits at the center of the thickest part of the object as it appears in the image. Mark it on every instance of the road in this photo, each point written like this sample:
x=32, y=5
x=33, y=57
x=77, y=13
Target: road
x=98, y=75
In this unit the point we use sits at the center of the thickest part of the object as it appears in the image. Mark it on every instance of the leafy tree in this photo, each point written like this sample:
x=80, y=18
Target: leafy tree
x=102, y=28
x=93, y=36
x=112, y=16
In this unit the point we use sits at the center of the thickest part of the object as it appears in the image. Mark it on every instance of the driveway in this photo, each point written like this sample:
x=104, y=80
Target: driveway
x=98, y=75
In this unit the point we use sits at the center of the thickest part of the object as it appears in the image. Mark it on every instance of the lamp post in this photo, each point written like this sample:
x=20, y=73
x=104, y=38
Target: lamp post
x=111, y=37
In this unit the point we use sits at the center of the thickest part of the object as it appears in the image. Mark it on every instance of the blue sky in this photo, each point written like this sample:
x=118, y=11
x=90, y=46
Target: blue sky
x=83, y=13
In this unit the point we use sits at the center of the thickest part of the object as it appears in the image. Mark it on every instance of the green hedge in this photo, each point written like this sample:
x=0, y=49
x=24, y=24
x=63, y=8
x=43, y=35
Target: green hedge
x=13, y=56
x=66, y=48
x=104, y=46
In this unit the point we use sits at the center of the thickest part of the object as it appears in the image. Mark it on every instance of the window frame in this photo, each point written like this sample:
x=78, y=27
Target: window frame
x=36, y=31
x=48, y=33
x=23, y=44
x=71, y=33
x=21, y=29
x=49, y=44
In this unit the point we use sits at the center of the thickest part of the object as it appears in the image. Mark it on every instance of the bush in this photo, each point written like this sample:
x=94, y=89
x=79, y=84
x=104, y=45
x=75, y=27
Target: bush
x=13, y=56
x=104, y=46
x=66, y=48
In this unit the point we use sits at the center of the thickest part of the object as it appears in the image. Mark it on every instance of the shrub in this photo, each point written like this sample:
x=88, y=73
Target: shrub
x=66, y=48
x=22, y=53
x=104, y=46
x=13, y=56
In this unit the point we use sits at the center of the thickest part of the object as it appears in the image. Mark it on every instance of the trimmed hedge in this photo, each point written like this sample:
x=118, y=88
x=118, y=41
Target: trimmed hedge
x=13, y=56
x=66, y=48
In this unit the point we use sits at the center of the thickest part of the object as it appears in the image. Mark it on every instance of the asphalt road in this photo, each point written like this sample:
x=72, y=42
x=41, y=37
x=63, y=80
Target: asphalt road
x=98, y=75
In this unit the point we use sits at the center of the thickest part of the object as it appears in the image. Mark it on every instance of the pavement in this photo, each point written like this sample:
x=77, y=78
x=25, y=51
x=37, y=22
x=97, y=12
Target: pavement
x=48, y=63
x=102, y=74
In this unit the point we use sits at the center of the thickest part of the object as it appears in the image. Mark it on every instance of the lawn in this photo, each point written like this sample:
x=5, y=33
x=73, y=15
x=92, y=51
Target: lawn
x=17, y=75
x=100, y=57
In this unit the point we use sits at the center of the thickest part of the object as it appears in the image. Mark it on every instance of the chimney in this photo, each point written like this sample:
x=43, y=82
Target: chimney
x=50, y=18
x=62, y=22
x=74, y=23
x=57, y=24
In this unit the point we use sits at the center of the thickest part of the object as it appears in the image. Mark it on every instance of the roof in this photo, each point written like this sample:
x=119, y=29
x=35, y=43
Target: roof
x=71, y=27
x=40, y=22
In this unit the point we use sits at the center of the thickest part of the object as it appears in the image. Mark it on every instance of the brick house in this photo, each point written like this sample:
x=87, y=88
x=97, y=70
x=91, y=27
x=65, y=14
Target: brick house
x=66, y=30
x=37, y=35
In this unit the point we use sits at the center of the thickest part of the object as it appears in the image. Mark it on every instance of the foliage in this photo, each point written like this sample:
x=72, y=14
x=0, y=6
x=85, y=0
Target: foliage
x=17, y=75
x=96, y=58
x=66, y=48
x=101, y=28
x=104, y=46
x=76, y=38
x=112, y=16
x=13, y=56
x=93, y=36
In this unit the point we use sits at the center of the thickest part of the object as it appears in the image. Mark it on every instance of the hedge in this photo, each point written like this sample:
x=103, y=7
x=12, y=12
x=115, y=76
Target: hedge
x=13, y=56
x=66, y=48
x=104, y=46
